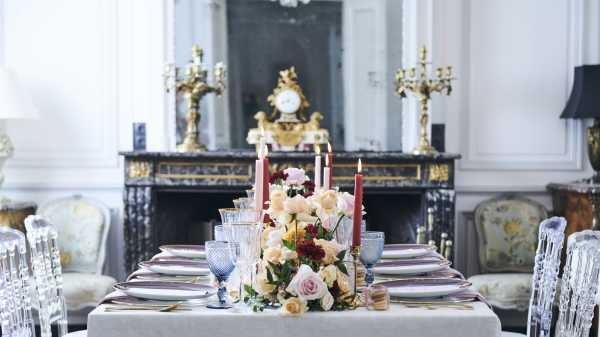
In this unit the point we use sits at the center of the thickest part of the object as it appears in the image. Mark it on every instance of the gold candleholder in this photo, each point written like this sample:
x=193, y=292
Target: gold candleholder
x=421, y=86
x=193, y=86
x=355, y=252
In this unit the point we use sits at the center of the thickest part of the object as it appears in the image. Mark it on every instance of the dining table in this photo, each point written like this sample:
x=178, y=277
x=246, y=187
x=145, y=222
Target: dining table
x=398, y=321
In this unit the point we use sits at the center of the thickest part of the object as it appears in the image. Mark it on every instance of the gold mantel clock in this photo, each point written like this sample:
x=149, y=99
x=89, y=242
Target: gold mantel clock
x=287, y=128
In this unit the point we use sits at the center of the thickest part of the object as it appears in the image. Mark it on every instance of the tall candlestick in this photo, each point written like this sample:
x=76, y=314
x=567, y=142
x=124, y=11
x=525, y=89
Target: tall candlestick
x=358, y=197
x=258, y=181
x=329, y=162
x=326, y=174
x=317, y=167
x=266, y=177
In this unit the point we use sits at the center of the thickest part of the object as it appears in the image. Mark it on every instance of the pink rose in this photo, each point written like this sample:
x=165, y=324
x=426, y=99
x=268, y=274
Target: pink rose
x=295, y=176
x=345, y=203
x=307, y=284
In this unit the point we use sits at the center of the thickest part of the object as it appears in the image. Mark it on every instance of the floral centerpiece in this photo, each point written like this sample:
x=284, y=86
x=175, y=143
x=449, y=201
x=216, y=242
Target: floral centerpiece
x=302, y=265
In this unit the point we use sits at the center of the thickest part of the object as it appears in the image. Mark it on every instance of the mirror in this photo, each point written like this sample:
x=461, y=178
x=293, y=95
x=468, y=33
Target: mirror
x=345, y=53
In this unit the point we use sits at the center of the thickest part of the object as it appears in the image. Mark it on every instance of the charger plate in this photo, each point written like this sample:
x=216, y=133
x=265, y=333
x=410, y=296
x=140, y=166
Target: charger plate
x=425, y=288
x=165, y=291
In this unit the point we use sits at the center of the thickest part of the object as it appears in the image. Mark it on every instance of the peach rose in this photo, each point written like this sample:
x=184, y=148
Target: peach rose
x=331, y=249
x=262, y=284
x=329, y=274
x=272, y=254
x=276, y=199
x=293, y=306
x=328, y=201
x=296, y=205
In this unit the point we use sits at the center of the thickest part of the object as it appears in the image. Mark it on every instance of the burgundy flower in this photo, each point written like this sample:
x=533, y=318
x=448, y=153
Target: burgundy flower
x=309, y=185
x=308, y=249
x=267, y=219
x=312, y=229
x=279, y=175
x=307, y=194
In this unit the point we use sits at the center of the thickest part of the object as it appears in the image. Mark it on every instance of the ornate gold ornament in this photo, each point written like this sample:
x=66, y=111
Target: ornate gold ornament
x=139, y=169
x=193, y=86
x=439, y=172
x=287, y=127
x=421, y=86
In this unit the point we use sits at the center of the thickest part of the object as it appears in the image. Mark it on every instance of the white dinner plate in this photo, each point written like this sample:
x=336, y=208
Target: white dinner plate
x=165, y=291
x=425, y=288
x=185, y=268
x=391, y=268
x=190, y=251
x=405, y=251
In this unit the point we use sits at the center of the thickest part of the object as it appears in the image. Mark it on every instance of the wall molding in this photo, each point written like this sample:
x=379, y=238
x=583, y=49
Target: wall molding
x=569, y=158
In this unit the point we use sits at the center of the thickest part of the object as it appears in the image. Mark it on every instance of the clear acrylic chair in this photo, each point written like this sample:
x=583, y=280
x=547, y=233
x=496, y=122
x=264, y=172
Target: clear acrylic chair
x=15, y=301
x=47, y=273
x=579, y=284
x=551, y=235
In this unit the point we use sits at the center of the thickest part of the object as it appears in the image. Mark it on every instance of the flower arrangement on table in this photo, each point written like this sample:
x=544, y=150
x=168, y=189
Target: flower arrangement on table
x=302, y=266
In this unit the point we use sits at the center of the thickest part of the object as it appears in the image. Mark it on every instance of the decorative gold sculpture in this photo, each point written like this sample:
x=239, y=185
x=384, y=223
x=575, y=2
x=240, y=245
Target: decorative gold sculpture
x=287, y=128
x=422, y=87
x=193, y=86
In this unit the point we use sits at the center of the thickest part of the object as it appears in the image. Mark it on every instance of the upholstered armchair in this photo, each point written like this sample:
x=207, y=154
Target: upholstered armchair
x=82, y=225
x=507, y=234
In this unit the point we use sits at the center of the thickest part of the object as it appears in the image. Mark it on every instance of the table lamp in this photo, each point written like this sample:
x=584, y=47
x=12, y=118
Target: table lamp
x=584, y=102
x=15, y=103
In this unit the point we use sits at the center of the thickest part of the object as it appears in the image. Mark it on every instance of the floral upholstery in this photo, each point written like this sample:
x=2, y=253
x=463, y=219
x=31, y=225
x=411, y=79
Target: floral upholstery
x=81, y=226
x=86, y=290
x=505, y=291
x=507, y=229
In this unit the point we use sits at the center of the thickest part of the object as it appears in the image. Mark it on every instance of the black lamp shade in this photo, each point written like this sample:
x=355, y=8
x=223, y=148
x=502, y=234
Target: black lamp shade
x=584, y=101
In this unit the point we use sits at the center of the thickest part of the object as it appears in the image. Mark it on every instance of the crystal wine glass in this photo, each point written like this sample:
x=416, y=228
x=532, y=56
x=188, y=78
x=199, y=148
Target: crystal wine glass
x=371, y=249
x=247, y=235
x=243, y=203
x=221, y=262
x=219, y=233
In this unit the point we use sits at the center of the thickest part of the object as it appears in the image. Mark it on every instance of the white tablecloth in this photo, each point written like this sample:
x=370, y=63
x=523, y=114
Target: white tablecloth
x=399, y=321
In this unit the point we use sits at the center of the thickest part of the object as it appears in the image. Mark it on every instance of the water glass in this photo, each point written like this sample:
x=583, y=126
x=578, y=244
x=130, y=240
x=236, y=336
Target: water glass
x=219, y=233
x=248, y=236
x=250, y=194
x=236, y=215
x=243, y=203
x=371, y=249
x=220, y=256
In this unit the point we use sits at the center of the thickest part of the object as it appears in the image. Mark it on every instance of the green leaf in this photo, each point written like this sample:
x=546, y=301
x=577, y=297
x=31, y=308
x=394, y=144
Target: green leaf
x=341, y=255
x=249, y=290
x=269, y=275
x=342, y=267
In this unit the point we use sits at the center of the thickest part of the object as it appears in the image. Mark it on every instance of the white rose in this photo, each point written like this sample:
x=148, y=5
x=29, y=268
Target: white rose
x=307, y=284
x=327, y=301
x=275, y=236
x=288, y=254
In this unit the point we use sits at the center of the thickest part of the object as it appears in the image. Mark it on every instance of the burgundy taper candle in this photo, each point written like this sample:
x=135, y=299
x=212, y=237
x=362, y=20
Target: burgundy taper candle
x=358, y=197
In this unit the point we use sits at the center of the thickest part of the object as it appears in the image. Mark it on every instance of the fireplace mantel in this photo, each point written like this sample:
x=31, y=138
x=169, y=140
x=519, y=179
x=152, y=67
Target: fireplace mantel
x=231, y=171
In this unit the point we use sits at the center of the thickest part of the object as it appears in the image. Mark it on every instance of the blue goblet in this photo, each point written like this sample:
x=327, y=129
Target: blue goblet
x=221, y=256
x=371, y=249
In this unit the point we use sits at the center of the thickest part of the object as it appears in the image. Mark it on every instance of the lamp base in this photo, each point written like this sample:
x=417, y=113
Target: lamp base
x=593, y=137
x=6, y=151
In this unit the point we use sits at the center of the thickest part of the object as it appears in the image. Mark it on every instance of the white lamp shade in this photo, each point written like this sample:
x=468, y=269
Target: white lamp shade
x=15, y=102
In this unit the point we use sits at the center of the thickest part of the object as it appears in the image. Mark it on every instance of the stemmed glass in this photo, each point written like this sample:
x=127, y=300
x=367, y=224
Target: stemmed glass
x=371, y=249
x=247, y=234
x=243, y=203
x=221, y=262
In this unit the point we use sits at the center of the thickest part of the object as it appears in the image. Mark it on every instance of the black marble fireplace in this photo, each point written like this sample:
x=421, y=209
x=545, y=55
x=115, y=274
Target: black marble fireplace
x=174, y=197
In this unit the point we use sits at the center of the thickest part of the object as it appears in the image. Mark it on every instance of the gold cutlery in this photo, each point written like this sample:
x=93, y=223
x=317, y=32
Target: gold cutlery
x=163, y=308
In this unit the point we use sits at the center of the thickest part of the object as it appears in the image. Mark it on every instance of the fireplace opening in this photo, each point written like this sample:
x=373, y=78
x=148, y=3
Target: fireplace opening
x=188, y=217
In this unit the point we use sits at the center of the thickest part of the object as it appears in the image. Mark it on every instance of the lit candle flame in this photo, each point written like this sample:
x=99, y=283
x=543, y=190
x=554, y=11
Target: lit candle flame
x=359, y=166
x=329, y=147
x=317, y=149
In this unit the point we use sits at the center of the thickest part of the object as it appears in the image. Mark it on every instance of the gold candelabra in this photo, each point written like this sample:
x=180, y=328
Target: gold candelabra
x=420, y=85
x=193, y=86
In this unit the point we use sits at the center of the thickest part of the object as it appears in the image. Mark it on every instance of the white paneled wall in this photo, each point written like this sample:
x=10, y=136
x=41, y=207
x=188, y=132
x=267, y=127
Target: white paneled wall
x=95, y=66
